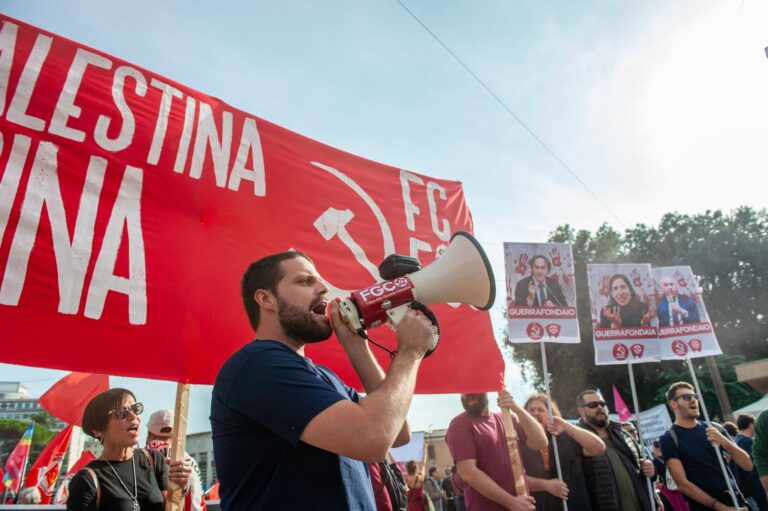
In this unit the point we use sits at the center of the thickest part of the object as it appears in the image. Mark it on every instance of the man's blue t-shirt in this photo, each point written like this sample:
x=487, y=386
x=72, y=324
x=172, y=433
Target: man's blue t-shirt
x=697, y=456
x=263, y=398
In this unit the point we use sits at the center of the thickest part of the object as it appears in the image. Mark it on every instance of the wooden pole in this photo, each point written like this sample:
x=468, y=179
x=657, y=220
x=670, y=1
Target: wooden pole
x=514, y=452
x=175, y=500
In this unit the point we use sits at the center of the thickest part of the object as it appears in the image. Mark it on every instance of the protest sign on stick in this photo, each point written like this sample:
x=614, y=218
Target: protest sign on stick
x=684, y=326
x=623, y=313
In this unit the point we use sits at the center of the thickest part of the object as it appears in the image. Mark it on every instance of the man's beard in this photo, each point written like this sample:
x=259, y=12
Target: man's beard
x=299, y=325
x=478, y=408
x=599, y=422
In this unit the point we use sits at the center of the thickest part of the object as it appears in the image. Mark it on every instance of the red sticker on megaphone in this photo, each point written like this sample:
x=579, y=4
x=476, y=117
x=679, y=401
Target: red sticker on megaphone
x=638, y=350
x=695, y=345
x=679, y=348
x=620, y=352
x=535, y=331
x=553, y=329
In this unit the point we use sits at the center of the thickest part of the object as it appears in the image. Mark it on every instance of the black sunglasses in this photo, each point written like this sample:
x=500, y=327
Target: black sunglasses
x=595, y=404
x=687, y=397
x=124, y=413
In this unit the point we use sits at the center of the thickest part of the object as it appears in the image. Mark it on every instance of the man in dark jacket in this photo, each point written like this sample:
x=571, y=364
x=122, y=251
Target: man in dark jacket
x=617, y=480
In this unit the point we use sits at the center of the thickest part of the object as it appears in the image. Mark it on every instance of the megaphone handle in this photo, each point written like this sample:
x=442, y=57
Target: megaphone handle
x=396, y=314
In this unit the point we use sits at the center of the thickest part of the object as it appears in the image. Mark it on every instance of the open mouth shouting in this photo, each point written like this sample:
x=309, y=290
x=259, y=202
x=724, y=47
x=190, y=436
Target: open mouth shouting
x=319, y=309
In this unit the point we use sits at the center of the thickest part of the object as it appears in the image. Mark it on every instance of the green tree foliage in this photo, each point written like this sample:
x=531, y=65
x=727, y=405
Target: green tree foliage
x=729, y=255
x=11, y=431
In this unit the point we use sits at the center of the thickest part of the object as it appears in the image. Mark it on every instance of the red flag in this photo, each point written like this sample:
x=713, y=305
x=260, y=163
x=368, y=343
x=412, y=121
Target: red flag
x=621, y=407
x=85, y=458
x=67, y=398
x=45, y=471
x=132, y=206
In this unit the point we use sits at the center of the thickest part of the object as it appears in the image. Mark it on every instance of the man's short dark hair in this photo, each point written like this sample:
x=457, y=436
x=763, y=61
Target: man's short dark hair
x=580, y=397
x=656, y=444
x=744, y=420
x=672, y=390
x=539, y=256
x=96, y=414
x=263, y=274
x=432, y=470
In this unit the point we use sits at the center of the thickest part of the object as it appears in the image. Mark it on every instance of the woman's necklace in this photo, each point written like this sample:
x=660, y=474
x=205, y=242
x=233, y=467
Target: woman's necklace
x=135, y=495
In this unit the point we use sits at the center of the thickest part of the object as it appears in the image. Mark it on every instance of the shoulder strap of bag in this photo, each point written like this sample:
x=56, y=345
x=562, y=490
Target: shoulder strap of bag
x=96, y=484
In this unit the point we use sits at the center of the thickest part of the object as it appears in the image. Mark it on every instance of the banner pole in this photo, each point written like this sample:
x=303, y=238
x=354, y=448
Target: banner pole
x=719, y=454
x=651, y=492
x=175, y=500
x=549, y=413
x=515, y=459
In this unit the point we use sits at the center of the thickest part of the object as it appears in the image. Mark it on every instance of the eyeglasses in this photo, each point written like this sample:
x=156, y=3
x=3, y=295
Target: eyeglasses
x=595, y=404
x=125, y=412
x=687, y=397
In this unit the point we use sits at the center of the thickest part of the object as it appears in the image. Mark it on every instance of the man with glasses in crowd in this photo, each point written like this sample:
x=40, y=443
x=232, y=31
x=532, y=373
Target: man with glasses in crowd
x=692, y=461
x=616, y=479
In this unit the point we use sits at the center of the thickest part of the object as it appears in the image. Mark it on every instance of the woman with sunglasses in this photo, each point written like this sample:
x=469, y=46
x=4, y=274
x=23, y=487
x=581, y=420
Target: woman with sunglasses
x=124, y=477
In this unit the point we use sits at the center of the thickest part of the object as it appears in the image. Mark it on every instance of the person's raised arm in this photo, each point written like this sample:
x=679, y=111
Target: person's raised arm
x=591, y=444
x=367, y=430
x=739, y=455
x=534, y=433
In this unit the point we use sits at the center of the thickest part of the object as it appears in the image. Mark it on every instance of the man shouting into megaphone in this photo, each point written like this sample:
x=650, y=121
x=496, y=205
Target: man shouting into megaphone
x=289, y=434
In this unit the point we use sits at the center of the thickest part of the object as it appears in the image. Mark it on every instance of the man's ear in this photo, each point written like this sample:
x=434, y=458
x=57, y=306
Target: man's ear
x=265, y=299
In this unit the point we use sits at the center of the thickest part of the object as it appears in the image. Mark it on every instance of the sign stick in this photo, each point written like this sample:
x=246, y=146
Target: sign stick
x=514, y=452
x=651, y=493
x=709, y=424
x=175, y=500
x=549, y=414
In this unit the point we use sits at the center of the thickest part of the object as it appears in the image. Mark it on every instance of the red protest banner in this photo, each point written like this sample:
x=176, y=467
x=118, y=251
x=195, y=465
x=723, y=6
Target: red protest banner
x=130, y=205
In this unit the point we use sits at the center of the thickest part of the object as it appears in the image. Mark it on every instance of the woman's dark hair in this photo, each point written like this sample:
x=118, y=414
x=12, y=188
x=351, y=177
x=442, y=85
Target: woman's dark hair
x=621, y=276
x=410, y=467
x=96, y=415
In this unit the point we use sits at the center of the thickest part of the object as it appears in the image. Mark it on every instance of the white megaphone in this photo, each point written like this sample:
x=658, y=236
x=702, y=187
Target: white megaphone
x=462, y=274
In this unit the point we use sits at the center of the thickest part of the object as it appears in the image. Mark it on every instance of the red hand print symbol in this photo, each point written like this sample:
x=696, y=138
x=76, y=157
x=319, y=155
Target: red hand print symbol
x=680, y=279
x=636, y=280
x=556, y=276
x=604, y=289
x=521, y=264
x=554, y=254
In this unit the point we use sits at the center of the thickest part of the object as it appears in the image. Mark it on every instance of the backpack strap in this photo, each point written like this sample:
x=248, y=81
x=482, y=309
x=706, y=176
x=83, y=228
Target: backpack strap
x=95, y=480
x=148, y=455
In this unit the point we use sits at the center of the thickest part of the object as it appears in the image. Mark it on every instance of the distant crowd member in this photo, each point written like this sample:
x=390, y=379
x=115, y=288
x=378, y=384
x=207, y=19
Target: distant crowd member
x=731, y=428
x=160, y=427
x=573, y=444
x=30, y=496
x=617, y=480
x=539, y=289
x=288, y=433
x=450, y=495
x=749, y=482
x=478, y=445
x=434, y=488
x=690, y=457
x=760, y=448
x=414, y=479
x=675, y=309
x=123, y=477
x=670, y=496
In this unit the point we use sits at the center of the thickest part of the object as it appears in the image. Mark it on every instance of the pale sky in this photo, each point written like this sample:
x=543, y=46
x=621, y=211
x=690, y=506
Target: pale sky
x=657, y=106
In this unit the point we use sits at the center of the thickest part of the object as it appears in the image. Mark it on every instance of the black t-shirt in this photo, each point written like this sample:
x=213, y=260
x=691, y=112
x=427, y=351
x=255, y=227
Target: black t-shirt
x=150, y=481
x=697, y=457
x=263, y=398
